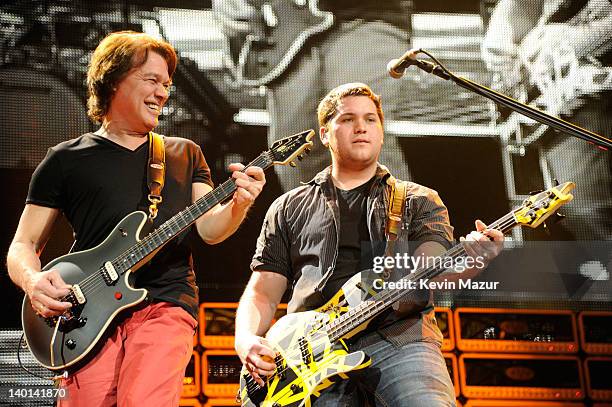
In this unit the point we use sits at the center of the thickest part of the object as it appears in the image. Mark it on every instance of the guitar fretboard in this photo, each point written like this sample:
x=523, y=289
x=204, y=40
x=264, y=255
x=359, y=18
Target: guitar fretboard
x=384, y=299
x=182, y=220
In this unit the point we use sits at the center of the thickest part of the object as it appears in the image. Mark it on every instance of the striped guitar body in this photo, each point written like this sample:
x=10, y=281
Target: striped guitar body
x=100, y=277
x=309, y=358
x=310, y=348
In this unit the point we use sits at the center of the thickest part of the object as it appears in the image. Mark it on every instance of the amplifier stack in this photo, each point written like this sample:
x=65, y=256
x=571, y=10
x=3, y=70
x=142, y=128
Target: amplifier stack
x=496, y=357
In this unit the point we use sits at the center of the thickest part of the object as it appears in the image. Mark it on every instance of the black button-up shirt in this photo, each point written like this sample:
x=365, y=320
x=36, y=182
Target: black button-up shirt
x=300, y=235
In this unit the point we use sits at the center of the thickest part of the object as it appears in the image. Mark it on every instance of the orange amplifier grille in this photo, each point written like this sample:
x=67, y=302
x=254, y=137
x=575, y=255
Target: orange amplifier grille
x=515, y=330
x=217, y=323
x=596, y=331
x=223, y=402
x=444, y=318
x=189, y=403
x=521, y=403
x=598, y=372
x=191, y=381
x=517, y=376
x=220, y=373
x=453, y=370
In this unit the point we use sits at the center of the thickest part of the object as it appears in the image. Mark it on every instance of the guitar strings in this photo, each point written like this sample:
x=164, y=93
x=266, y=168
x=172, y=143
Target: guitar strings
x=97, y=278
x=387, y=297
x=150, y=240
x=346, y=323
x=503, y=224
x=91, y=283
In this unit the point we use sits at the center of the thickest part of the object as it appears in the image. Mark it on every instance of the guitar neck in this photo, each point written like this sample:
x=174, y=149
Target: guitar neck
x=385, y=298
x=182, y=220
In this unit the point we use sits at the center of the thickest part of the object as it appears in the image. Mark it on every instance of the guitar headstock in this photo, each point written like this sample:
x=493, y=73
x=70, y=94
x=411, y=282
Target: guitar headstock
x=538, y=207
x=286, y=150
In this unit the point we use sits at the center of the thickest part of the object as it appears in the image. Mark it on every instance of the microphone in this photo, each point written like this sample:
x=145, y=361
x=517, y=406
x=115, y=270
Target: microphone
x=396, y=67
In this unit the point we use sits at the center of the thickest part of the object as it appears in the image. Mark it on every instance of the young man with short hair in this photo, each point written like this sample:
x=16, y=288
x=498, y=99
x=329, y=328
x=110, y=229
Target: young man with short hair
x=313, y=240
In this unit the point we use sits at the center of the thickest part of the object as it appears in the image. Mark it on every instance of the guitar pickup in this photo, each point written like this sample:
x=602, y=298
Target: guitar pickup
x=109, y=273
x=280, y=367
x=78, y=294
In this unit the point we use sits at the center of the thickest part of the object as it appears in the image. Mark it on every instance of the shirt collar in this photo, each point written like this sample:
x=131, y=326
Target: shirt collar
x=381, y=175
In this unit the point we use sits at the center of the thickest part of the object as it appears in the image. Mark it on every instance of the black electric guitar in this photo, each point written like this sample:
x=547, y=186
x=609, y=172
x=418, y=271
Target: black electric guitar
x=101, y=277
x=310, y=347
x=279, y=31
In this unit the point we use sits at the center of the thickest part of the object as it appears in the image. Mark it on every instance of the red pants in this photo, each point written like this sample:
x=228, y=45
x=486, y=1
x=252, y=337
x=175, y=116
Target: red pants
x=141, y=364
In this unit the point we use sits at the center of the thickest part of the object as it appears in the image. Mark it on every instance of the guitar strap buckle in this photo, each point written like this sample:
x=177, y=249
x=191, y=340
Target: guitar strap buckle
x=155, y=200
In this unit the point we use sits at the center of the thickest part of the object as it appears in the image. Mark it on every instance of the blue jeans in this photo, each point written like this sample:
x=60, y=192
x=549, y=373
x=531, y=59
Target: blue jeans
x=413, y=375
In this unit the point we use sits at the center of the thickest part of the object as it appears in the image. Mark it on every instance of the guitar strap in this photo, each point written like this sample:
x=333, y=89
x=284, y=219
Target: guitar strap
x=156, y=171
x=397, y=200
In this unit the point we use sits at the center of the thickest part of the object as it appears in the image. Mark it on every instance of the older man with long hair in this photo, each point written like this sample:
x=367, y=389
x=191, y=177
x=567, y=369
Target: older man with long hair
x=97, y=179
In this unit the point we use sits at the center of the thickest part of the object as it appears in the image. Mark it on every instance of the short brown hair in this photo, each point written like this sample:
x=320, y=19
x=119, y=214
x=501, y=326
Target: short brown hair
x=328, y=107
x=114, y=57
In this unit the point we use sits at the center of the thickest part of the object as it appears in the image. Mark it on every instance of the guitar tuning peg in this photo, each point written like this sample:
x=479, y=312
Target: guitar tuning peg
x=546, y=229
x=300, y=157
x=291, y=163
x=558, y=217
x=556, y=182
x=307, y=150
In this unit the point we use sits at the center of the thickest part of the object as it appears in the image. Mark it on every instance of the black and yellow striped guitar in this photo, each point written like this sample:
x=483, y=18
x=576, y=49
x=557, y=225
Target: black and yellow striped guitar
x=311, y=353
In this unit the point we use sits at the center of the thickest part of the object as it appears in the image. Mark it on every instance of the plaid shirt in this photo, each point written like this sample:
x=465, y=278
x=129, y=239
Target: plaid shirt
x=300, y=236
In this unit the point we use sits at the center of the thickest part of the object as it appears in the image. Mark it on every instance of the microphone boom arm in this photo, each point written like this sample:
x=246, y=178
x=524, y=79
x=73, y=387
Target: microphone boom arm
x=499, y=98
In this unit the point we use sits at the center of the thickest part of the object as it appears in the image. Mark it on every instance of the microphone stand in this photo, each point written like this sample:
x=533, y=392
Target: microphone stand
x=558, y=124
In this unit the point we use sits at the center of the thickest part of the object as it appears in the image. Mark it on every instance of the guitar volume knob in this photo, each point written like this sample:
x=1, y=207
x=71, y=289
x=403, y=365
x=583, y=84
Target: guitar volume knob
x=71, y=344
